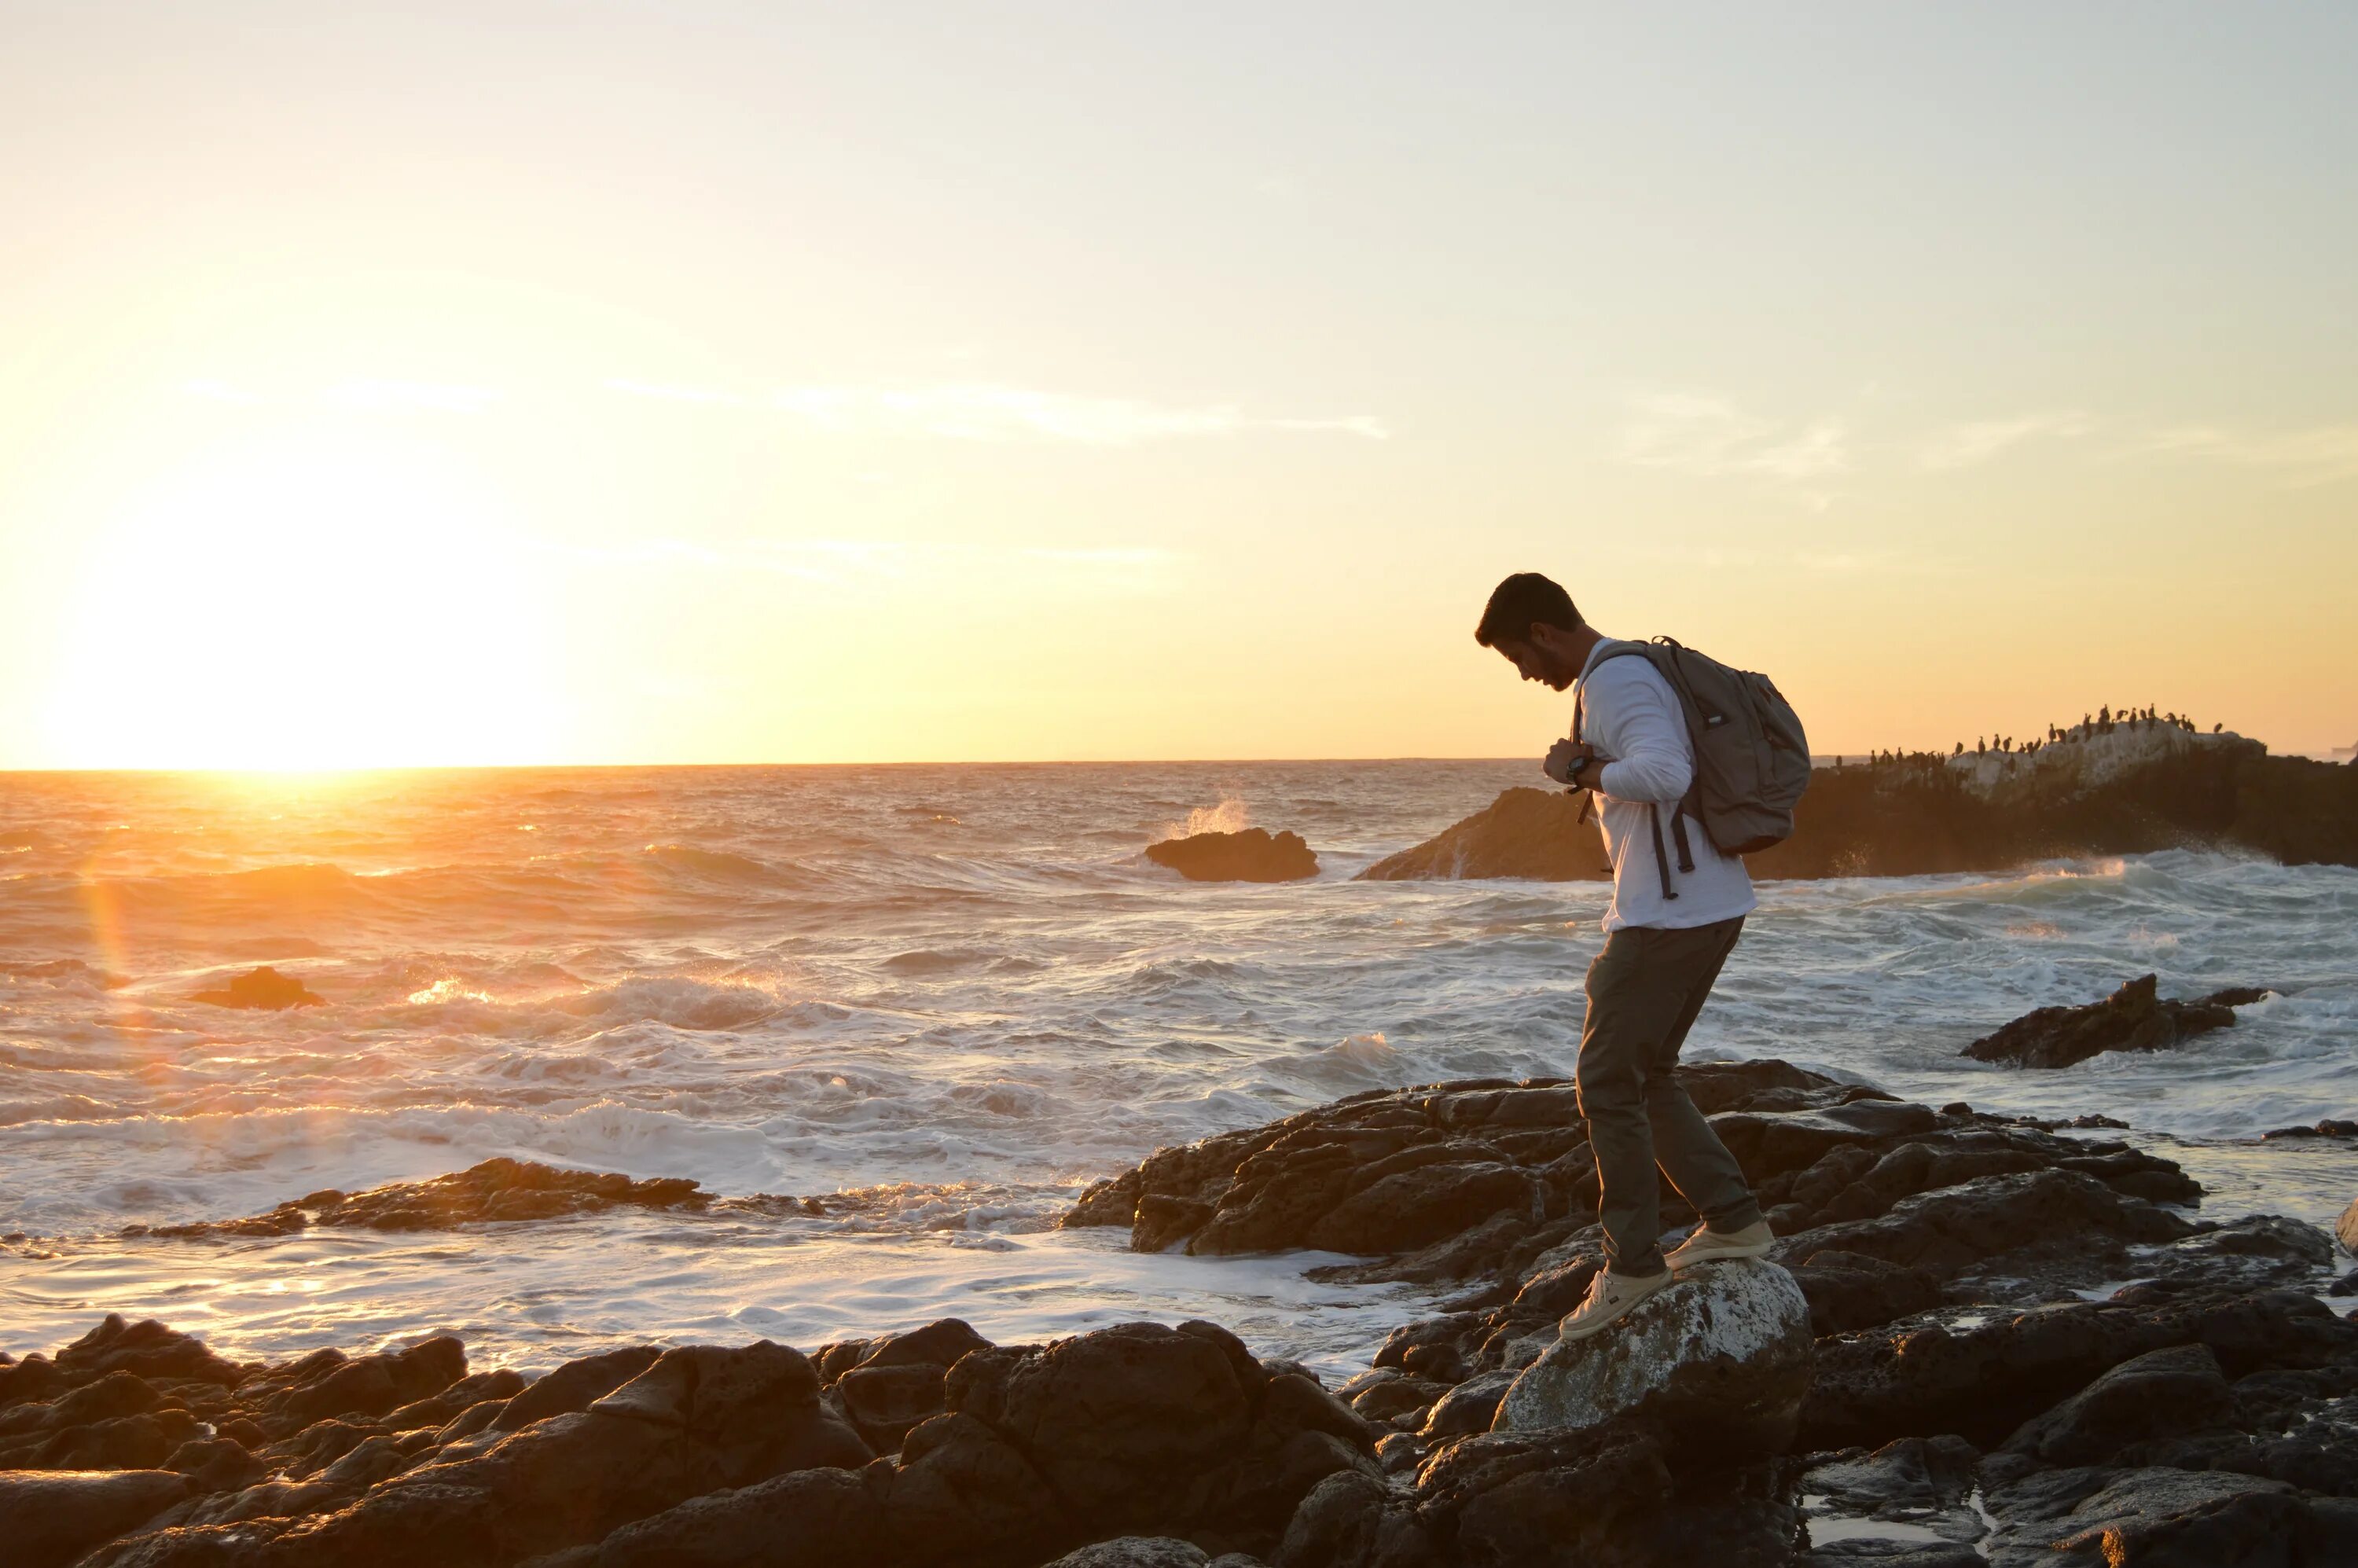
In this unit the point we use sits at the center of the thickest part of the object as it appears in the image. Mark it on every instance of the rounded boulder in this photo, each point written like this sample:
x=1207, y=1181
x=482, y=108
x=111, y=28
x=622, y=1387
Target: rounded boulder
x=1720, y=1360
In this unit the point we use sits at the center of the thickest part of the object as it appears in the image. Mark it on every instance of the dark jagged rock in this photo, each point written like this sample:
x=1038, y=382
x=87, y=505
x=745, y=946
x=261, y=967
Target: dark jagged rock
x=2129, y=794
x=1611, y=1497
x=262, y=987
x=2178, y=1389
x=1982, y=1374
x=49, y=1519
x=1534, y=833
x=1922, y=1485
x=2132, y=1019
x=1942, y=1258
x=497, y=1189
x=1394, y=1170
x=2095, y=1518
x=1253, y=855
x=2332, y=1126
x=1481, y=1179
x=696, y=1453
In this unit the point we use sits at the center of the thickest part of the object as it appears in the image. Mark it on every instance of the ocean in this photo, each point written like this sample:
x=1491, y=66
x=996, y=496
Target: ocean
x=943, y=998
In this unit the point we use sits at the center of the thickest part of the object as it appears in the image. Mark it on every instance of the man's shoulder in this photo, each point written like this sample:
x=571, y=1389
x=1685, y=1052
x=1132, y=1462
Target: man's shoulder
x=1620, y=673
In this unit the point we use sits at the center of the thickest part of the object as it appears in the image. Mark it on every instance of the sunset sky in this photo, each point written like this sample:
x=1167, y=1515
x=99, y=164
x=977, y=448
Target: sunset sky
x=484, y=383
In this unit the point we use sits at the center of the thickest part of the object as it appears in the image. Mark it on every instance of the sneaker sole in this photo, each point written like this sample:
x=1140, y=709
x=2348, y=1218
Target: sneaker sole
x=1721, y=1255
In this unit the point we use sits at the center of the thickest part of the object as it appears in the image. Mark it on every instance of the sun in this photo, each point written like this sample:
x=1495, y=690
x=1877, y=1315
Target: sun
x=312, y=598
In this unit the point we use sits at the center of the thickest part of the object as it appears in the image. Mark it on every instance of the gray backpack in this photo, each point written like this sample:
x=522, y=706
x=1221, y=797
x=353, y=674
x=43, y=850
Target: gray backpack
x=1752, y=760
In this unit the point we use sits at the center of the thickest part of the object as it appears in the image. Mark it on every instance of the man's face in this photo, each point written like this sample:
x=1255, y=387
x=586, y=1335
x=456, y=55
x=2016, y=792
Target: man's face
x=1534, y=662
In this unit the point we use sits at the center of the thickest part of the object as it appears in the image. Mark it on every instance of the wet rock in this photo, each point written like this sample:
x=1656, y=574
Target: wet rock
x=148, y=1349
x=1160, y=1407
x=2074, y=1223
x=1607, y=1497
x=752, y=1411
x=1720, y=1360
x=35, y=1379
x=1466, y=1176
x=262, y=987
x=2164, y=1518
x=2177, y=1391
x=2345, y=1229
x=938, y=1344
x=2132, y=1019
x=497, y=1189
x=332, y=1384
x=1532, y=833
x=1982, y=1372
x=49, y=1519
x=1251, y=855
x=2249, y=1253
x=1472, y=1406
x=440, y=1410
x=2332, y=1126
x=885, y=1402
x=1850, y=1290
x=575, y=1386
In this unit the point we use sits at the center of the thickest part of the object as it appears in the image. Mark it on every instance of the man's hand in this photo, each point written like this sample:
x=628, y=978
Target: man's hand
x=1565, y=759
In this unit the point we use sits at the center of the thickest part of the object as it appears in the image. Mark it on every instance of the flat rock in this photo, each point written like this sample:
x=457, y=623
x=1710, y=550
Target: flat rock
x=1253, y=855
x=1721, y=1360
x=497, y=1189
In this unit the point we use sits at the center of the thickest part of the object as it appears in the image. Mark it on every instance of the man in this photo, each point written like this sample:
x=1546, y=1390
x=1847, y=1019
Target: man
x=1667, y=934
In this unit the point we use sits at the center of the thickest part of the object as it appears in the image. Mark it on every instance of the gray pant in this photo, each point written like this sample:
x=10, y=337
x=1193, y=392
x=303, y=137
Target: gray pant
x=1644, y=991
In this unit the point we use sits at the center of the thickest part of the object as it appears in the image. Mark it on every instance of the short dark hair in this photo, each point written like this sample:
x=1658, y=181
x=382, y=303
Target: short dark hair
x=1521, y=600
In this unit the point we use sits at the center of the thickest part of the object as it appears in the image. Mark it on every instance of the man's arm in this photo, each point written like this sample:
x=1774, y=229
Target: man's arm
x=1652, y=761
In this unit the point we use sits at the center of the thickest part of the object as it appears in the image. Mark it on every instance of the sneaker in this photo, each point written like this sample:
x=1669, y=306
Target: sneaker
x=1709, y=1245
x=1610, y=1297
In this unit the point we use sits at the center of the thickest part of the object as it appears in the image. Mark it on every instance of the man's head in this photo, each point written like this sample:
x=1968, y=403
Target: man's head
x=1533, y=623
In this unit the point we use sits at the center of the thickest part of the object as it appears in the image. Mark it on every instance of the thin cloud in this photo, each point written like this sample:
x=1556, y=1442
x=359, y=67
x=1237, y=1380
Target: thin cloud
x=847, y=563
x=667, y=392
x=1961, y=446
x=2317, y=456
x=390, y=396
x=1711, y=436
x=214, y=391
x=994, y=413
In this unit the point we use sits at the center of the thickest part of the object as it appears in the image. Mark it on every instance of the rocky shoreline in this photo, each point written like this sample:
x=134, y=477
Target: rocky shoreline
x=2115, y=795
x=1980, y=1339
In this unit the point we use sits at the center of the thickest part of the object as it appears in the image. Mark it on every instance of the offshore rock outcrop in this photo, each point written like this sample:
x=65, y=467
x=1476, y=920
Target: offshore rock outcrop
x=497, y=1189
x=2133, y=1018
x=2118, y=794
x=1253, y=855
x=264, y=987
x=1543, y=834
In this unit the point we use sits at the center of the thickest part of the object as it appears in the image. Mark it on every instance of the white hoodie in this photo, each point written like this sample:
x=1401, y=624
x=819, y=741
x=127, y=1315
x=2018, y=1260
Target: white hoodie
x=1632, y=718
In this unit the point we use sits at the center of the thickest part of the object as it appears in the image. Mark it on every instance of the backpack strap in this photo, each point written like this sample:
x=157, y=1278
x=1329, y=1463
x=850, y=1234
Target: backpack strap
x=1661, y=861
x=1678, y=834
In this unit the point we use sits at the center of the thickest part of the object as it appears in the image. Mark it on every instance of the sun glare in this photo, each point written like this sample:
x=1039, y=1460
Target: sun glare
x=312, y=600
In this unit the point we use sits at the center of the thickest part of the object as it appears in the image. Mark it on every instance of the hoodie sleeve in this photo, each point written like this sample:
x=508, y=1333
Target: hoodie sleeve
x=1652, y=760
